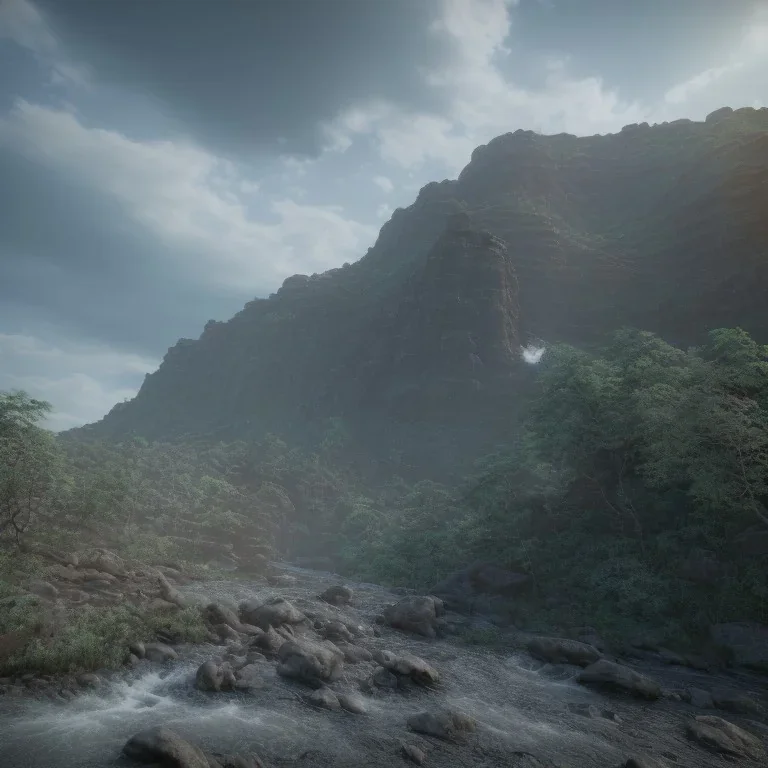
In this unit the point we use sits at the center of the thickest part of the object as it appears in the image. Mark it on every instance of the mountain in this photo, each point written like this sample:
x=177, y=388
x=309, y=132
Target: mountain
x=416, y=346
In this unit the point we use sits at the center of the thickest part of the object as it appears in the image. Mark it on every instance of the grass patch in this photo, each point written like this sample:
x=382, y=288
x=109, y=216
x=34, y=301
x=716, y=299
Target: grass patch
x=92, y=638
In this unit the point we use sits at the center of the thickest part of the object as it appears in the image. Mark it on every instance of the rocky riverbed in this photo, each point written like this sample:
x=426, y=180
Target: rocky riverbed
x=335, y=684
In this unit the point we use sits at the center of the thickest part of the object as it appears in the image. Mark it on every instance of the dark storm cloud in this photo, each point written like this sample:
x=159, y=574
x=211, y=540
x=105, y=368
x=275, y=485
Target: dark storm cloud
x=69, y=258
x=258, y=73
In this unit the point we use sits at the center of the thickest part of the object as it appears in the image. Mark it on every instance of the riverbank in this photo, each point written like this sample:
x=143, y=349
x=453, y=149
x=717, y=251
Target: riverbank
x=525, y=710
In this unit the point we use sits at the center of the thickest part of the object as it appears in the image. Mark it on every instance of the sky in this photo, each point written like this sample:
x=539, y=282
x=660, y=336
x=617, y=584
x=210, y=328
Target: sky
x=162, y=163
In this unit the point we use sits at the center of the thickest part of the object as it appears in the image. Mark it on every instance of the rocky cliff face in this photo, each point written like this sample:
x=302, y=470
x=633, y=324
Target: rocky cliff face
x=540, y=237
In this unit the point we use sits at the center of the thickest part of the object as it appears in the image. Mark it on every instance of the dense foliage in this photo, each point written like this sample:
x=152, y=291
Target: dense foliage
x=636, y=496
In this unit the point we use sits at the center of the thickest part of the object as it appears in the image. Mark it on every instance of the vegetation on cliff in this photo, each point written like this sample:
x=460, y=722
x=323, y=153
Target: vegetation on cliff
x=634, y=496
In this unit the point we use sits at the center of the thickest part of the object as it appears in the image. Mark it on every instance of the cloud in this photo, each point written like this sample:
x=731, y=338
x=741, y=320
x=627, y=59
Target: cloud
x=191, y=199
x=481, y=101
x=82, y=381
x=741, y=76
x=253, y=75
x=21, y=22
x=383, y=183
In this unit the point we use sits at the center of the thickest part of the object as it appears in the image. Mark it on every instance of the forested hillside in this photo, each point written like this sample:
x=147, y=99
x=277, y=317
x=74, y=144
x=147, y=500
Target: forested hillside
x=379, y=419
x=415, y=347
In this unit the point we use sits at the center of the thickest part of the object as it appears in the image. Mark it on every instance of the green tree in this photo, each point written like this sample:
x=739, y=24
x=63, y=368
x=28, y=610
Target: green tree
x=29, y=463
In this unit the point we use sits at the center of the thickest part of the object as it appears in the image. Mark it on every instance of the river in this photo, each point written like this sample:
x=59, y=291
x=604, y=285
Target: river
x=530, y=715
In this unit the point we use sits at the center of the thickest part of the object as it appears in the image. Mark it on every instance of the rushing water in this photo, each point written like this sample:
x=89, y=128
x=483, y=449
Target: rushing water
x=529, y=714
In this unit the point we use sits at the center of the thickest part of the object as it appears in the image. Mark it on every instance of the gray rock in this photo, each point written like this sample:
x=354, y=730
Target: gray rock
x=337, y=595
x=448, y=725
x=414, y=754
x=325, y=698
x=309, y=662
x=416, y=614
x=89, y=680
x=249, y=678
x=103, y=560
x=162, y=745
x=701, y=699
x=616, y=677
x=410, y=666
x=558, y=650
x=159, y=652
x=273, y=613
x=337, y=630
x=354, y=654
x=352, y=703
x=209, y=677
x=383, y=678
x=219, y=614
x=137, y=649
x=724, y=737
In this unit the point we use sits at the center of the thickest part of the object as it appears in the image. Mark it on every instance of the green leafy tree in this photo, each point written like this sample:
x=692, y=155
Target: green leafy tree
x=29, y=464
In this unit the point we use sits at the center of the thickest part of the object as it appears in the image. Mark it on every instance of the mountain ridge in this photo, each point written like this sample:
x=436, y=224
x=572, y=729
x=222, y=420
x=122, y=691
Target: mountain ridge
x=565, y=237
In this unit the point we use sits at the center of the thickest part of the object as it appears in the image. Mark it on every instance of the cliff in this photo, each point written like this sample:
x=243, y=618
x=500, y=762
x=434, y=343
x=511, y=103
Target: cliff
x=417, y=345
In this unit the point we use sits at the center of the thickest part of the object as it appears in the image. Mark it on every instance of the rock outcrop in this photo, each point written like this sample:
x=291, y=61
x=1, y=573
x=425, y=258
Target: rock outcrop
x=554, y=237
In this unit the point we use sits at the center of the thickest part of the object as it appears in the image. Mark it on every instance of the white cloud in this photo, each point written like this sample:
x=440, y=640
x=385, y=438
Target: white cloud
x=82, y=381
x=21, y=22
x=383, y=183
x=737, y=81
x=191, y=199
x=383, y=212
x=482, y=102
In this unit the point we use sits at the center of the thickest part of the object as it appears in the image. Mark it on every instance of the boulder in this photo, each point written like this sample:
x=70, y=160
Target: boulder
x=383, y=678
x=164, y=746
x=159, y=652
x=351, y=703
x=269, y=642
x=558, y=650
x=337, y=630
x=448, y=725
x=248, y=678
x=89, y=680
x=209, y=677
x=354, y=654
x=103, y=560
x=616, y=677
x=724, y=737
x=310, y=662
x=416, y=614
x=219, y=614
x=407, y=665
x=324, y=698
x=337, y=595
x=274, y=613
x=745, y=642
x=700, y=699
x=414, y=754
